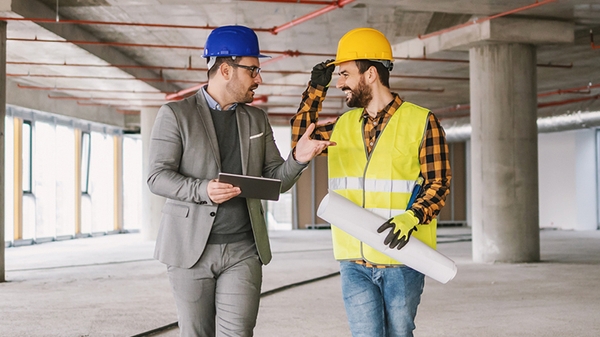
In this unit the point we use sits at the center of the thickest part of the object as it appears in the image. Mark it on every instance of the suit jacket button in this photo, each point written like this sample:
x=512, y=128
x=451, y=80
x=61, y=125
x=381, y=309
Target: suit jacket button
x=213, y=213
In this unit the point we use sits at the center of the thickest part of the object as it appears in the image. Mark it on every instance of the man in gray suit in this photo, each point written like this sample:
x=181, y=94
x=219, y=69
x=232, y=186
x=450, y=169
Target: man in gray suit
x=214, y=243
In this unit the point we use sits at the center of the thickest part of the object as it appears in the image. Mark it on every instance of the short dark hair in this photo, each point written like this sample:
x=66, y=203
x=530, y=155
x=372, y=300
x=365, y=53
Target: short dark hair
x=384, y=73
x=220, y=60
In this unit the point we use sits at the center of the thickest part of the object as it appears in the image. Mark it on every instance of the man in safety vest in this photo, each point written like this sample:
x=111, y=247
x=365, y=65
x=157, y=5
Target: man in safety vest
x=385, y=147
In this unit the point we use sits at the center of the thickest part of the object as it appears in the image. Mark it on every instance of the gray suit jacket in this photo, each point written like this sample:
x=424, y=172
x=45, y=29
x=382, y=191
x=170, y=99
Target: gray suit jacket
x=184, y=157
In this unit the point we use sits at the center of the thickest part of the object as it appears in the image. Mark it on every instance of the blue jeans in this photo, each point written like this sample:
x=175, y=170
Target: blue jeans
x=381, y=302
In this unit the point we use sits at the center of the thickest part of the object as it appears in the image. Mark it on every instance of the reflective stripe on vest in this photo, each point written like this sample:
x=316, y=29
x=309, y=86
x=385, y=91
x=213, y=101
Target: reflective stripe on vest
x=371, y=185
x=381, y=183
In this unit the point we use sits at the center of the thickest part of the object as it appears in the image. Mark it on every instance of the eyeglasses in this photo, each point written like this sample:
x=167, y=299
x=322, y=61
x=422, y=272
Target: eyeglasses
x=254, y=70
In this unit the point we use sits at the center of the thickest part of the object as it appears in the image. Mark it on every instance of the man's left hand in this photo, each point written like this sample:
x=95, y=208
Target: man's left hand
x=321, y=73
x=402, y=226
x=308, y=148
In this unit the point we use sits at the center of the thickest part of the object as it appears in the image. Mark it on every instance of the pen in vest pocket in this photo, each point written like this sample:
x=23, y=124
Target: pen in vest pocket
x=415, y=192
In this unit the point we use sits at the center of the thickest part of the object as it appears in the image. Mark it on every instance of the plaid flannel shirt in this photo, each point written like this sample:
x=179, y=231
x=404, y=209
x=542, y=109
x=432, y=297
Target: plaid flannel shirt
x=433, y=155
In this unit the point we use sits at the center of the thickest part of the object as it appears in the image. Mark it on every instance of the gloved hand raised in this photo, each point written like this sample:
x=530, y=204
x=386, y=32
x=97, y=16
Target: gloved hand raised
x=321, y=73
x=402, y=226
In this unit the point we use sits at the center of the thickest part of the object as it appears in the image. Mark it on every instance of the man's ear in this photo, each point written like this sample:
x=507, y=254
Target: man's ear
x=372, y=74
x=225, y=70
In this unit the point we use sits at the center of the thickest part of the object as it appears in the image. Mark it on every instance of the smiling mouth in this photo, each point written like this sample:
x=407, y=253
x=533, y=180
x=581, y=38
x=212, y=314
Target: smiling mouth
x=347, y=91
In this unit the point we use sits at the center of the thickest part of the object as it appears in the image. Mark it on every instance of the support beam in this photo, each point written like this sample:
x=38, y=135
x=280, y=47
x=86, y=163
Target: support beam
x=2, y=142
x=501, y=30
x=118, y=183
x=504, y=160
x=18, y=179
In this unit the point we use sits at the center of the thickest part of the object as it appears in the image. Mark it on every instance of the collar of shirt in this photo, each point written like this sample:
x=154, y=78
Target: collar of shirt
x=389, y=109
x=212, y=103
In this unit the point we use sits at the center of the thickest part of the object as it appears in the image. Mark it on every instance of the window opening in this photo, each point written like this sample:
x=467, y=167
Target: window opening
x=27, y=157
x=86, y=149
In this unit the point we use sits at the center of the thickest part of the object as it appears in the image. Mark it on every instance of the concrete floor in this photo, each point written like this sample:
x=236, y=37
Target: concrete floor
x=110, y=286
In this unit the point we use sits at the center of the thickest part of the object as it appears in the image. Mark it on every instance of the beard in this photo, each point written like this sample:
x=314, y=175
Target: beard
x=240, y=93
x=361, y=96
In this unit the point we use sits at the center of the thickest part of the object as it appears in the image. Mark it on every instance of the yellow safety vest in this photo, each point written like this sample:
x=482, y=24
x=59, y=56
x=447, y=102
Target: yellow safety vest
x=381, y=183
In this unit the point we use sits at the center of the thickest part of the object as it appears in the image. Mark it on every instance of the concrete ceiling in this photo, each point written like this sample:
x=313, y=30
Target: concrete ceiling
x=103, y=69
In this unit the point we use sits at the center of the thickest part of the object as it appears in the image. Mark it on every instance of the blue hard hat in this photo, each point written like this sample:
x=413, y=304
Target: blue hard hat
x=227, y=41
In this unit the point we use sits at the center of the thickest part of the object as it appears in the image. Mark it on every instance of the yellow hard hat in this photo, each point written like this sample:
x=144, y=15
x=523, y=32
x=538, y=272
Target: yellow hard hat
x=363, y=44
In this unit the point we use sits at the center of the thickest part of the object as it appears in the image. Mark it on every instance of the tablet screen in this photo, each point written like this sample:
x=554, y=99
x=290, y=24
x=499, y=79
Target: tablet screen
x=253, y=187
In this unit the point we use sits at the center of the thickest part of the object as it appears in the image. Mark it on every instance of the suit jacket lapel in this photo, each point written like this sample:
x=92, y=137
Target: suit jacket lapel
x=243, y=123
x=208, y=125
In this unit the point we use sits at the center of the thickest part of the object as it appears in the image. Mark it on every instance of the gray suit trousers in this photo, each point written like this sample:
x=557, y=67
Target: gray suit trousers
x=222, y=289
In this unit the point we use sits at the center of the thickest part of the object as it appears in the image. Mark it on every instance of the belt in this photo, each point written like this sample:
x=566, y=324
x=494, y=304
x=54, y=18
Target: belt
x=370, y=265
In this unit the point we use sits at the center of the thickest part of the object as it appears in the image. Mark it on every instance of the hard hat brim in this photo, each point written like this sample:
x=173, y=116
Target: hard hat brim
x=260, y=56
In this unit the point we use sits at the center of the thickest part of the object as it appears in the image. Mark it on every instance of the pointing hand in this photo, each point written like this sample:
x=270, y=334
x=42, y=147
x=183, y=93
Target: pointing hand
x=308, y=148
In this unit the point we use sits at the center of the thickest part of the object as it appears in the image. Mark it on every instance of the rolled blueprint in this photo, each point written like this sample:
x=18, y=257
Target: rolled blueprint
x=362, y=224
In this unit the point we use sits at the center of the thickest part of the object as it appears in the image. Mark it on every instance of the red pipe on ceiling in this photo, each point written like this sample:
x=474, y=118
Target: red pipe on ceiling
x=305, y=2
x=107, y=43
x=567, y=101
x=65, y=64
x=540, y=105
x=115, y=23
x=178, y=81
x=574, y=90
x=274, y=59
x=289, y=115
x=487, y=18
x=182, y=93
x=128, y=112
x=33, y=87
x=92, y=77
x=75, y=98
x=312, y=15
x=284, y=72
x=121, y=105
x=285, y=52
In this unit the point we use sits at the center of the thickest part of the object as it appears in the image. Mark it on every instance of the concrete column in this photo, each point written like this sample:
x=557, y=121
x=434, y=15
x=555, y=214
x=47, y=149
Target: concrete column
x=118, y=183
x=2, y=116
x=504, y=160
x=151, y=203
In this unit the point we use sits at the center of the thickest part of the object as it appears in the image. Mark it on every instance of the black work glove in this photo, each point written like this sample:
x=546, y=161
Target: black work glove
x=402, y=226
x=321, y=73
